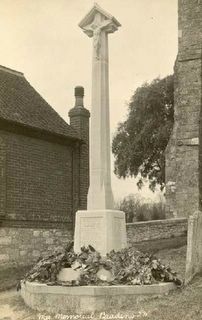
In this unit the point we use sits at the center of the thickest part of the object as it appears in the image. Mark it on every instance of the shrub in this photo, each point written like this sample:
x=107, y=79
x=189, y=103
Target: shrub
x=130, y=205
x=136, y=210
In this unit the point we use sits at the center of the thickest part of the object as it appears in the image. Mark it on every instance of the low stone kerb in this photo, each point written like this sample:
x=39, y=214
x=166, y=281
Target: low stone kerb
x=86, y=298
x=159, y=288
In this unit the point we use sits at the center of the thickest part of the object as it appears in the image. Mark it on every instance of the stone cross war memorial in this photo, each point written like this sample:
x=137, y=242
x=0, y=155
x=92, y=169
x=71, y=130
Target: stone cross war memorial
x=100, y=225
x=100, y=228
x=56, y=190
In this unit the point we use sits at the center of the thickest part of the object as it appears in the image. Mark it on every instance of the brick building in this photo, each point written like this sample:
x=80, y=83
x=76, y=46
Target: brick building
x=184, y=151
x=44, y=170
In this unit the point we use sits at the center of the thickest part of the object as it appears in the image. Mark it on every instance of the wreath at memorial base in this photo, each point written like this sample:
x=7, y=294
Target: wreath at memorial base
x=125, y=267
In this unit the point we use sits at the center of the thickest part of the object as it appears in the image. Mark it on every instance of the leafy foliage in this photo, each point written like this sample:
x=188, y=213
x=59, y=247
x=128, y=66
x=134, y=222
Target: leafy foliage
x=140, y=141
x=137, y=210
x=127, y=266
x=130, y=205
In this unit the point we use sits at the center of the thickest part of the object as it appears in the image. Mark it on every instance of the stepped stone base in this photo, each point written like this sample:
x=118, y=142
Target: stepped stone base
x=87, y=299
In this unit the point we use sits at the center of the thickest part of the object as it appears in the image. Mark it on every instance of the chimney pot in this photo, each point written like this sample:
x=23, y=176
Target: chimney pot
x=79, y=91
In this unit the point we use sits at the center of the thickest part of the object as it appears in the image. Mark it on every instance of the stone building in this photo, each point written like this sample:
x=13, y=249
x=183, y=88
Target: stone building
x=184, y=151
x=44, y=170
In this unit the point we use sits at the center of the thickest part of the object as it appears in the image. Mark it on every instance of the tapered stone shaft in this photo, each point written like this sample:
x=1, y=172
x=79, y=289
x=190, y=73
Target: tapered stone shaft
x=98, y=24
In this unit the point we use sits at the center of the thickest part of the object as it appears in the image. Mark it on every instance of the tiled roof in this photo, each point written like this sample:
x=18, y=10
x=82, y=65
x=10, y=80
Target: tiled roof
x=21, y=103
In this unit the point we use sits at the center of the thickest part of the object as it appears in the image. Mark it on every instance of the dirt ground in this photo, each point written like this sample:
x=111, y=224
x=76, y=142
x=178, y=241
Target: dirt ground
x=184, y=303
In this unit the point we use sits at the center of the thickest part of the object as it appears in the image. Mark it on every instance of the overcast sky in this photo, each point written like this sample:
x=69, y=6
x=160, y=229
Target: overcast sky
x=42, y=39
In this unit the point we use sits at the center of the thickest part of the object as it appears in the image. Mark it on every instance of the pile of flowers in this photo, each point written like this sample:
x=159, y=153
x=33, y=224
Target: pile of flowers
x=127, y=267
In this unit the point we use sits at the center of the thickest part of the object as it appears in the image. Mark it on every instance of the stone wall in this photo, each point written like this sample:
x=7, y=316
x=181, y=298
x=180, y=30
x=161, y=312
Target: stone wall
x=23, y=246
x=183, y=155
x=194, y=246
x=156, y=230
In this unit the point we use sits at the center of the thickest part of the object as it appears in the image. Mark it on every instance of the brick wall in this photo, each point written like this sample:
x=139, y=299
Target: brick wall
x=156, y=230
x=37, y=179
x=2, y=177
x=183, y=155
x=23, y=246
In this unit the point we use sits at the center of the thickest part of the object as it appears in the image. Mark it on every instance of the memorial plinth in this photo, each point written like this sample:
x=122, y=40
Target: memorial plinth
x=100, y=226
x=105, y=230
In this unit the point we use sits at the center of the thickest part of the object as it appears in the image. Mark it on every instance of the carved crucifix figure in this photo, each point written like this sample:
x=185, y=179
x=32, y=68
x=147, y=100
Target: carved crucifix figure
x=96, y=28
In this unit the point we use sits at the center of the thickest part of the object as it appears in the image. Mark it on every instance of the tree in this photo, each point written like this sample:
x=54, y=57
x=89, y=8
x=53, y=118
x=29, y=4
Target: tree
x=130, y=206
x=136, y=209
x=140, y=141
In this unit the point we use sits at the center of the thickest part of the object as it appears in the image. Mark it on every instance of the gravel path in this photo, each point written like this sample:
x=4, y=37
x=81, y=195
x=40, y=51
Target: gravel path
x=12, y=307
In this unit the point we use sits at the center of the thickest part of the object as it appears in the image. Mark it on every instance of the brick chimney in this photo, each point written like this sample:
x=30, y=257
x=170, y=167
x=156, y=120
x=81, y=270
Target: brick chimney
x=79, y=120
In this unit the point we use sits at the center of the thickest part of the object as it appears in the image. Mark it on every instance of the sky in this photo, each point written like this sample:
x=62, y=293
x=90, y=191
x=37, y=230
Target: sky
x=41, y=38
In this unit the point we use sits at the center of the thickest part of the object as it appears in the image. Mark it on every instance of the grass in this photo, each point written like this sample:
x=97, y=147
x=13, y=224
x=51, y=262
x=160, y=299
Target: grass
x=176, y=258
x=9, y=277
x=157, y=245
x=182, y=304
